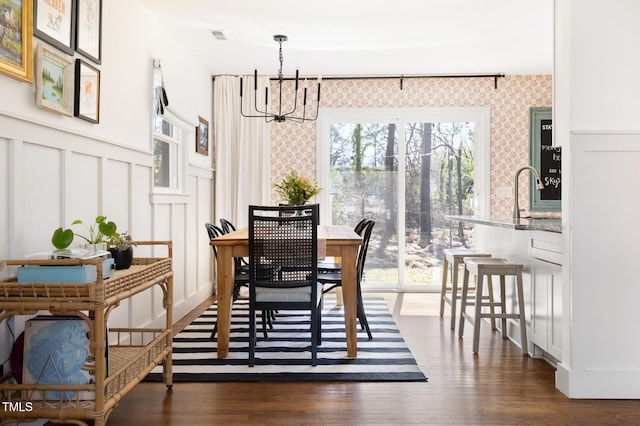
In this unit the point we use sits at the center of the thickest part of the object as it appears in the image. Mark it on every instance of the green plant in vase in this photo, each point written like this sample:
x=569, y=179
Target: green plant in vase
x=99, y=232
x=297, y=189
x=100, y=235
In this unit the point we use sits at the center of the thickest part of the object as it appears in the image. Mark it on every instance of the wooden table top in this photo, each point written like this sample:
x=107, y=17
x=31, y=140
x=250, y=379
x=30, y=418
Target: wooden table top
x=334, y=234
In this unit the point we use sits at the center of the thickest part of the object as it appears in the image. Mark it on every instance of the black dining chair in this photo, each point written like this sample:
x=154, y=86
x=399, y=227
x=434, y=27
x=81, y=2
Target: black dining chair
x=226, y=225
x=242, y=266
x=331, y=280
x=325, y=267
x=241, y=279
x=283, y=270
x=241, y=263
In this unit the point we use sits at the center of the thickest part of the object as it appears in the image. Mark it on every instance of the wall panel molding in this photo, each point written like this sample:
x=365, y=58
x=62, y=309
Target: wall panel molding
x=30, y=123
x=62, y=138
x=46, y=168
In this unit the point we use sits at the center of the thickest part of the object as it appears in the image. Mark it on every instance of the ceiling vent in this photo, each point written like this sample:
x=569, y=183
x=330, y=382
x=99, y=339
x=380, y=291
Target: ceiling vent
x=218, y=35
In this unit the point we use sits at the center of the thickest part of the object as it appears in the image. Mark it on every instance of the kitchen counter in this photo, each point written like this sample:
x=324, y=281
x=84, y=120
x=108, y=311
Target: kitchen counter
x=542, y=223
x=536, y=243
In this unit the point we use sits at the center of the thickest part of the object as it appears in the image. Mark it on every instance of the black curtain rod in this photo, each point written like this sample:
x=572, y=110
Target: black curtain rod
x=401, y=77
x=396, y=77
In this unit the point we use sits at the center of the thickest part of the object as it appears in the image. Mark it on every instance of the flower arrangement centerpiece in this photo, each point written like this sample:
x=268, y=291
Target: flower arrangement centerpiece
x=297, y=189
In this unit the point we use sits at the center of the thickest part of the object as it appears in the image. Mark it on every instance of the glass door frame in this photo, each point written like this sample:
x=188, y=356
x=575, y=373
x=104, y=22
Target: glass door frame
x=401, y=116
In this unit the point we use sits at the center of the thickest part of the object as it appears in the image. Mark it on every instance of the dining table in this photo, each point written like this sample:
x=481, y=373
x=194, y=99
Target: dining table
x=337, y=240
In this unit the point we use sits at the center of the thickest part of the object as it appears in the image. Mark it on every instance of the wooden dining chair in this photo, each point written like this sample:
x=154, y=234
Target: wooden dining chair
x=283, y=253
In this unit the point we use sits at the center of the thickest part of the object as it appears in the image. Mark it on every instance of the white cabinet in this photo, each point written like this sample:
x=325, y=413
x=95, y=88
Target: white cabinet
x=546, y=288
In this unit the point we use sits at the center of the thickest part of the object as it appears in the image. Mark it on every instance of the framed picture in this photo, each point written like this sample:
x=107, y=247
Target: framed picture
x=54, y=80
x=16, y=26
x=55, y=23
x=545, y=158
x=202, y=137
x=87, y=92
x=89, y=29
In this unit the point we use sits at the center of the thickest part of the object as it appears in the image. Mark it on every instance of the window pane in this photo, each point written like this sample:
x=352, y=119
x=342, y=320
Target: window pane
x=163, y=127
x=439, y=178
x=363, y=174
x=162, y=164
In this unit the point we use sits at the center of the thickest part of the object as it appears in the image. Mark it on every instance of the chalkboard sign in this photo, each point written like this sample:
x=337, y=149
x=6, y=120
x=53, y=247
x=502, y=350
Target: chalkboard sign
x=546, y=158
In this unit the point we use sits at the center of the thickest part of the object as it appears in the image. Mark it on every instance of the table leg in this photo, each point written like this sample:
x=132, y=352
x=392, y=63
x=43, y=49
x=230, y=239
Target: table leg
x=350, y=297
x=224, y=296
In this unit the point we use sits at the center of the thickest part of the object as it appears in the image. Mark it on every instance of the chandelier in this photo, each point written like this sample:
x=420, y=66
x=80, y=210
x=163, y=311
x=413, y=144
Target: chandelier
x=280, y=116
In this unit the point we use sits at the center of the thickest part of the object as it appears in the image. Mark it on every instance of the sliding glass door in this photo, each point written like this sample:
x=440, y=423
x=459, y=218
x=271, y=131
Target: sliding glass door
x=406, y=170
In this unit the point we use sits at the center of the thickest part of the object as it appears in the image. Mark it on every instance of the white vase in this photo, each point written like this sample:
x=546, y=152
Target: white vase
x=94, y=247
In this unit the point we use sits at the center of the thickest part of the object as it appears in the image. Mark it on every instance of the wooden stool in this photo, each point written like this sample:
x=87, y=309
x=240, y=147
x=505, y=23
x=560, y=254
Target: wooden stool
x=487, y=267
x=454, y=258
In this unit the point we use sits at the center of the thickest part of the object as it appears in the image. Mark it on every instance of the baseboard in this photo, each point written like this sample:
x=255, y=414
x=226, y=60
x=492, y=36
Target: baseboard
x=598, y=384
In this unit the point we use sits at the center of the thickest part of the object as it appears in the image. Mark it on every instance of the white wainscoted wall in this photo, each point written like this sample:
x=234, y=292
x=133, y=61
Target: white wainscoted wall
x=54, y=168
x=597, y=122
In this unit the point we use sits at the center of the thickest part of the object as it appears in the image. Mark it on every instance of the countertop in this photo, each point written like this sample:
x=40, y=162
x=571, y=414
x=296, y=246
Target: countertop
x=543, y=223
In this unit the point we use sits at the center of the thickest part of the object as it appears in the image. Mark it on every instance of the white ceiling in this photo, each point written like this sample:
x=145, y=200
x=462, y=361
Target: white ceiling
x=365, y=37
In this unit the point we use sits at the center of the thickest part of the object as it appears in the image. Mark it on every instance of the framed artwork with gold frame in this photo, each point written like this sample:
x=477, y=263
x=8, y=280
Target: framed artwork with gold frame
x=16, y=27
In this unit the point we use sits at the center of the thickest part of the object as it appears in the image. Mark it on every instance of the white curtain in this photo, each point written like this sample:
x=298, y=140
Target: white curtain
x=242, y=150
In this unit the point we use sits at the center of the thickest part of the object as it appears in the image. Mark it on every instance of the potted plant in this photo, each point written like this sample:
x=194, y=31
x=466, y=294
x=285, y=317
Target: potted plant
x=297, y=189
x=120, y=247
x=100, y=234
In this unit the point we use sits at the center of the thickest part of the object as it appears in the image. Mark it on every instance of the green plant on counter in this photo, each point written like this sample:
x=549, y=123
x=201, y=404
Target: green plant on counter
x=100, y=231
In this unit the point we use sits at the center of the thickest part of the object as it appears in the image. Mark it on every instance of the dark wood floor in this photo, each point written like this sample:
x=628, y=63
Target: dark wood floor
x=498, y=386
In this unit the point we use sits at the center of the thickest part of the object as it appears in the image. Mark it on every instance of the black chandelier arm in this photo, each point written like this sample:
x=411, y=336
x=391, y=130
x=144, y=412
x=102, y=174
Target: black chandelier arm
x=303, y=118
x=295, y=97
x=255, y=97
x=266, y=101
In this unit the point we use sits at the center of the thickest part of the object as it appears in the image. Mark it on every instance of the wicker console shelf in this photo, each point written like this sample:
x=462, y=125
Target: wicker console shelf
x=133, y=352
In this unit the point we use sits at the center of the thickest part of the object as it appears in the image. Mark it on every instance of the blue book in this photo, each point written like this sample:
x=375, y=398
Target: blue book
x=64, y=273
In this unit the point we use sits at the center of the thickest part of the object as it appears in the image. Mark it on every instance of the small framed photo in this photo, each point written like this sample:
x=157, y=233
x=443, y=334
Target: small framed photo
x=202, y=136
x=87, y=92
x=55, y=23
x=89, y=29
x=54, y=80
x=16, y=54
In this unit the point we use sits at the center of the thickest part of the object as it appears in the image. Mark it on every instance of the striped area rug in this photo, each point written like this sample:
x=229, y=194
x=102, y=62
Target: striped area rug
x=285, y=355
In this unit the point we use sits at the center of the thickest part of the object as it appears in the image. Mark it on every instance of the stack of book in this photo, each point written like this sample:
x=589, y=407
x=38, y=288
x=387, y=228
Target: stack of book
x=67, y=273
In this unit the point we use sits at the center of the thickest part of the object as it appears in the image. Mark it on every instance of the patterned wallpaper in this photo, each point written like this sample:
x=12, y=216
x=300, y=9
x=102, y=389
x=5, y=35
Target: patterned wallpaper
x=293, y=144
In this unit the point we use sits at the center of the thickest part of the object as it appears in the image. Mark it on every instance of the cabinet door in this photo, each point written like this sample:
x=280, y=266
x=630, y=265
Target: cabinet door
x=539, y=305
x=555, y=316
